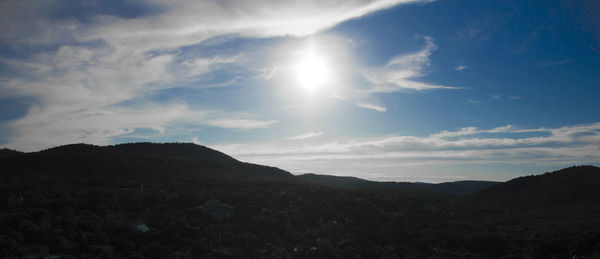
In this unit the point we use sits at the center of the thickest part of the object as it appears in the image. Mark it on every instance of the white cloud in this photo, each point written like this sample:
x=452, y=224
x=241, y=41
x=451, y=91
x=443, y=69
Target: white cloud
x=371, y=106
x=460, y=68
x=196, y=141
x=242, y=124
x=400, y=72
x=461, y=132
x=541, y=146
x=53, y=125
x=268, y=73
x=172, y=24
x=200, y=66
x=188, y=22
x=93, y=65
x=312, y=134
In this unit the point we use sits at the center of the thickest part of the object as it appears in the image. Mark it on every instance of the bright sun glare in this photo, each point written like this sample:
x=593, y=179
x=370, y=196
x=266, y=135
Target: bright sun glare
x=312, y=71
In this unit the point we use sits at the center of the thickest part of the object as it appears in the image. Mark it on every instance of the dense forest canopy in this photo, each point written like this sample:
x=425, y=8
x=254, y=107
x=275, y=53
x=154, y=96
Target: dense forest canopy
x=160, y=200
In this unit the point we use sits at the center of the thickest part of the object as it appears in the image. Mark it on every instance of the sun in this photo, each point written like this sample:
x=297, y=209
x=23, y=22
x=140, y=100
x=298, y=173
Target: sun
x=312, y=71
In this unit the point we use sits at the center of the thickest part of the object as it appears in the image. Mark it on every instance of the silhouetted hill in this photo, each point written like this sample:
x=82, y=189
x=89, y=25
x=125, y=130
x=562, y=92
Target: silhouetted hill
x=347, y=182
x=5, y=152
x=573, y=184
x=462, y=187
x=333, y=181
x=138, y=160
x=148, y=200
x=175, y=150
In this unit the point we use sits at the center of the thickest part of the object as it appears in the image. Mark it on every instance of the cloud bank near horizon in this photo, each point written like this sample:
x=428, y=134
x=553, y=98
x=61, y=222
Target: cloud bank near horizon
x=569, y=145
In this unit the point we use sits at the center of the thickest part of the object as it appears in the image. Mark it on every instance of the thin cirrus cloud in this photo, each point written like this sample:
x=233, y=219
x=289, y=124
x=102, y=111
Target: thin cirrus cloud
x=40, y=130
x=461, y=68
x=99, y=60
x=187, y=22
x=470, y=145
x=400, y=72
x=242, y=124
x=311, y=134
x=371, y=106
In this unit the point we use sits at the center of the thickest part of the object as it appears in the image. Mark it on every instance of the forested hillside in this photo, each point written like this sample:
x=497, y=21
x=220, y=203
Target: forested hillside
x=160, y=201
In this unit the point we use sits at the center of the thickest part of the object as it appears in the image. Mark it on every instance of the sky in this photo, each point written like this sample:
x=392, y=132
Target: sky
x=386, y=90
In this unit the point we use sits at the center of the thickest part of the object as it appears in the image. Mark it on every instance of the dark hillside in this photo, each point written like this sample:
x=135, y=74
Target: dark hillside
x=462, y=187
x=354, y=183
x=174, y=150
x=187, y=201
x=5, y=152
x=569, y=185
x=334, y=181
x=135, y=161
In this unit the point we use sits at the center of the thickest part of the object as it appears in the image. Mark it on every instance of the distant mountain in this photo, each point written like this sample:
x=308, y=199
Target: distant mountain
x=573, y=184
x=138, y=160
x=190, y=161
x=333, y=181
x=462, y=187
x=346, y=182
x=186, y=161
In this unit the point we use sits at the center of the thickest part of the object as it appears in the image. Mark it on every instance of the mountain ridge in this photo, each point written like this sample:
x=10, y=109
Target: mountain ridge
x=204, y=158
x=350, y=182
x=149, y=201
x=571, y=184
x=137, y=160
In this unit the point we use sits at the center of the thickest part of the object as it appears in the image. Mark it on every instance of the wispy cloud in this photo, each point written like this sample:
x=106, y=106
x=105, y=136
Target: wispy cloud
x=196, y=141
x=45, y=127
x=53, y=126
x=472, y=130
x=200, y=66
x=268, y=73
x=507, y=144
x=163, y=24
x=477, y=31
x=312, y=134
x=371, y=106
x=460, y=68
x=78, y=66
x=242, y=124
x=401, y=72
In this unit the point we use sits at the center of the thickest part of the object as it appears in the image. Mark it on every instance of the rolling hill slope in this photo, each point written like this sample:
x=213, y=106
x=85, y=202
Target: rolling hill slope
x=148, y=200
x=573, y=184
x=353, y=183
x=138, y=160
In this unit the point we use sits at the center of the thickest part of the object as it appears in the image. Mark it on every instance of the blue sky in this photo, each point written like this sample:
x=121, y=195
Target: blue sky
x=400, y=90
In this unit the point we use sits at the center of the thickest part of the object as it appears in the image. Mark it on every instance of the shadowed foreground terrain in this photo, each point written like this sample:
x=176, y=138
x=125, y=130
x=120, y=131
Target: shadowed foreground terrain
x=186, y=201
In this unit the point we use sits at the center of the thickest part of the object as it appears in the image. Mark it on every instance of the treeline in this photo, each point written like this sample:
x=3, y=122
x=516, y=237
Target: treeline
x=78, y=218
